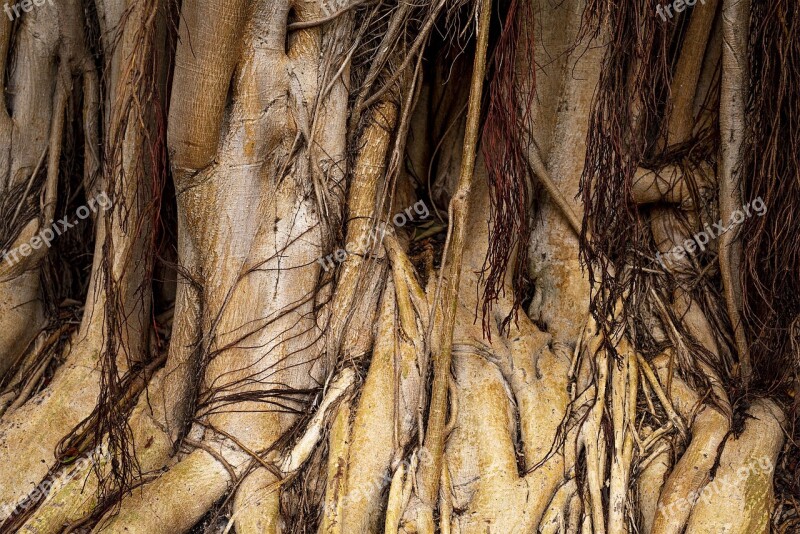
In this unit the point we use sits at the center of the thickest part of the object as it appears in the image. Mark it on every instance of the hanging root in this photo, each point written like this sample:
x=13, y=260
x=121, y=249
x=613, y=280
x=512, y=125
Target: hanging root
x=624, y=394
x=504, y=154
x=771, y=166
x=625, y=110
x=430, y=474
x=592, y=441
x=652, y=472
x=733, y=97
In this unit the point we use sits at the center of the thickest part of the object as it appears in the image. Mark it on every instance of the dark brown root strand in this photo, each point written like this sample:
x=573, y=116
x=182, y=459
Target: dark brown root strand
x=510, y=103
x=772, y=164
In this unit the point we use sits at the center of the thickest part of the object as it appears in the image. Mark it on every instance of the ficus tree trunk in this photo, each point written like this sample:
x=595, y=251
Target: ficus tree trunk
x=355, y=266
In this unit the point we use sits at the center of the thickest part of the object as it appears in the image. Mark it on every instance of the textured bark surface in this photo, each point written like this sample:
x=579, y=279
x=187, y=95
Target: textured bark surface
x=379, y=266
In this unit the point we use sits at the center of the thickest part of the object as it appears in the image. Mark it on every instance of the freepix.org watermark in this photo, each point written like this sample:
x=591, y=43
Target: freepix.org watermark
x=720, y=486
x=42, y=490
x=677, y=5
x=363, y=493
x=400, y=219
x=46, y=236
x=23, y=6
x=701, y=239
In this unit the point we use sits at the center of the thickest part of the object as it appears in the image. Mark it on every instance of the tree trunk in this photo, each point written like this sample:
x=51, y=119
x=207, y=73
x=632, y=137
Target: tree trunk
x=378, y=266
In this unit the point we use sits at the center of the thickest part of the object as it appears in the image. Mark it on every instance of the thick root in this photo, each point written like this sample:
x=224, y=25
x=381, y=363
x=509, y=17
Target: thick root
x=195, y=482
x=650, y=482
x=740, y=499
x=387, y=409
x=77, y=498
x=744, y=468
x=692, y=471
x=483, y=460
x=333, y=508
x=156, y=422
x=624, y=390
x=259, y=507
x=257, y=504
x=561, y=514
x=29, y=435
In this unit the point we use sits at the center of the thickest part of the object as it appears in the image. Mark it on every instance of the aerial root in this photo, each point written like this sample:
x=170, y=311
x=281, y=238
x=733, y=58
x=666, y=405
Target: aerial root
x=691, y=472
x=564, y=511
x=591, y=441
x=385, y=414
x=430, y=473
x=336, y=481
x=257, y=502
x=666, y=403
x=445, y=499
x=732, y=113
x=613, y=393
x=624, y=390
x=652, y=471
x=395, y=504
x=341, y=386
x=741, y=498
